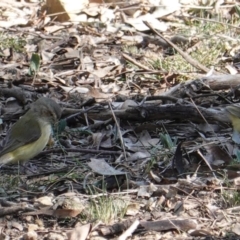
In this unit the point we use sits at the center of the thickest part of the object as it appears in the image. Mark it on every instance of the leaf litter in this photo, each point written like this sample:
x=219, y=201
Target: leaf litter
x=144, y=148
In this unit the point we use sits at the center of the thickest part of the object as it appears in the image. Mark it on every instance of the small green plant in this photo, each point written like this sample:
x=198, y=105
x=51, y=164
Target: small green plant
x=10, y=182
x=167, y=142
x=237, y=9
x=8, y=41
x=107, y=208
x=231, y=198
x=166, y=151
x=150, y=164
x=34, y=64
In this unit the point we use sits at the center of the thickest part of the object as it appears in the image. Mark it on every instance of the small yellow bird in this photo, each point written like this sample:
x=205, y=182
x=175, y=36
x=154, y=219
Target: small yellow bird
x=31, y=133
x=233, y=112
x=234, y=115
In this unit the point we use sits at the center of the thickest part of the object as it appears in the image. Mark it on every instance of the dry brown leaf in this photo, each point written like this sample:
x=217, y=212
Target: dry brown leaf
x=79, y=232
x=133, y=209
x=101, y=167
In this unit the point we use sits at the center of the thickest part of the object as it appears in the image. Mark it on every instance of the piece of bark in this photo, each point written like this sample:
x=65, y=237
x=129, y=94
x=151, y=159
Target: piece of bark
x=222, y=82
x=15, y=92
x=169, y=112
x=129, y=231
x=213, y=83
x=164, y=225
x=14, y=209
x=116, y=228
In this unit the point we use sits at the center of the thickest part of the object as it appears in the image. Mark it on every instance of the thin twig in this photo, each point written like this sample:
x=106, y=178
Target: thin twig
x=119, y=132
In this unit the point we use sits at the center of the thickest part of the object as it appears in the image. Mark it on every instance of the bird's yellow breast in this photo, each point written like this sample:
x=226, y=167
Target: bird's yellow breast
x=29, y=150
x=235, y=122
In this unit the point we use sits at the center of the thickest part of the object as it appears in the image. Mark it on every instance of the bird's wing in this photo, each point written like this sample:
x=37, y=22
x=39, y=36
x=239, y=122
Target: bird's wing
x=20, y=135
